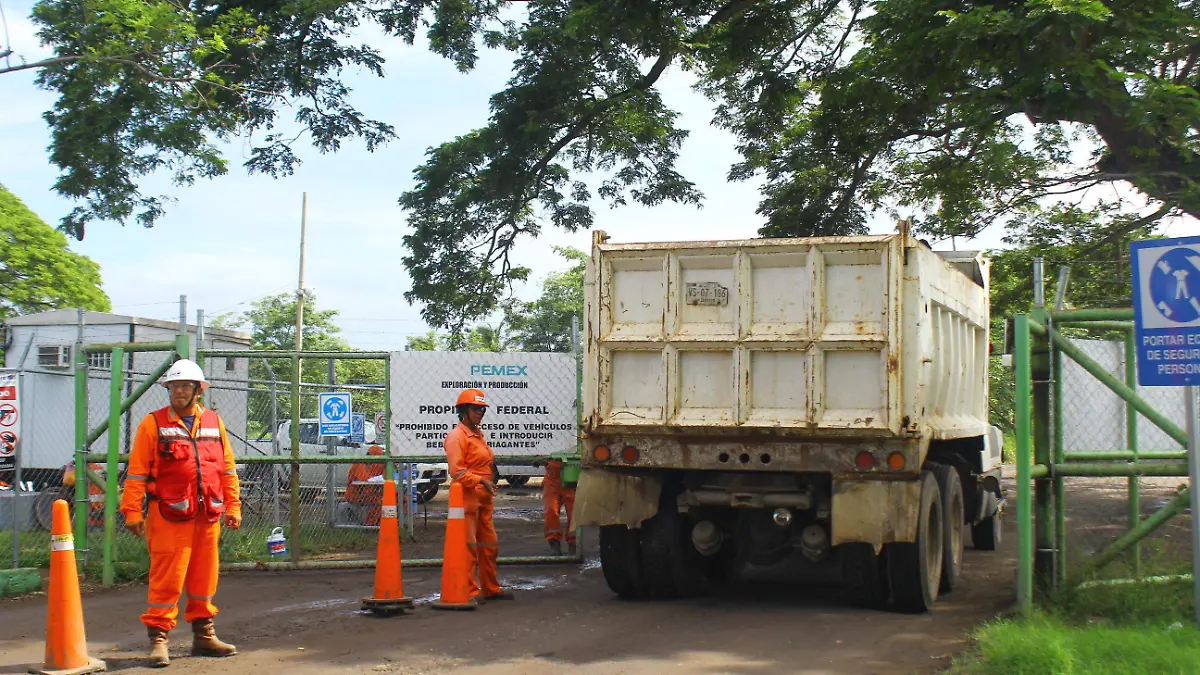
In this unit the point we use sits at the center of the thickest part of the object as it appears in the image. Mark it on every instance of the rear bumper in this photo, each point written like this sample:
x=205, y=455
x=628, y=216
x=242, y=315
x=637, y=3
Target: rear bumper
x=836, y=457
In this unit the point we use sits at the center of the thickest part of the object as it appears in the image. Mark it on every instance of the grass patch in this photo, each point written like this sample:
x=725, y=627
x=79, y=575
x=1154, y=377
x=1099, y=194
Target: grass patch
x=1008, y=453
x=1120, y=629
x=1051, y=646
x=249, y=544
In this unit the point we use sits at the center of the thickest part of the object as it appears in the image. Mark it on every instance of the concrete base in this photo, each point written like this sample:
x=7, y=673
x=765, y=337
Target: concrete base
x=93, y=666
x=455, y=606
x=387, y=607
x=20, y=580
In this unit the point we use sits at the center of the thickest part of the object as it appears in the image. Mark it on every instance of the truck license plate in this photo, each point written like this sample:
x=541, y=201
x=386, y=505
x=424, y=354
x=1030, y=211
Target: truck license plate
x=706, y=293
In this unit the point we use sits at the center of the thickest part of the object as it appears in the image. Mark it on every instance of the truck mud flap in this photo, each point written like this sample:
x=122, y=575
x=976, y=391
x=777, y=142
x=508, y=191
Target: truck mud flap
x=611, y=498
x=875, y=512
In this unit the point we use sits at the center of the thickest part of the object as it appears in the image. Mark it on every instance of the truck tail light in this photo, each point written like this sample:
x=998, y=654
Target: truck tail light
x=601, y=453
x=864, y=460
x=896, y=461
x=630, y=454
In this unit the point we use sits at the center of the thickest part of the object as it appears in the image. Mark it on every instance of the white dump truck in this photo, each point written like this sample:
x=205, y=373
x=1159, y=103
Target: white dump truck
x=818, y=403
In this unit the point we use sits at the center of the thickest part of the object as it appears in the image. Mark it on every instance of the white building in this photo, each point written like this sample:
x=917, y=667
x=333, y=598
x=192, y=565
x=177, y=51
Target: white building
x=42, y=347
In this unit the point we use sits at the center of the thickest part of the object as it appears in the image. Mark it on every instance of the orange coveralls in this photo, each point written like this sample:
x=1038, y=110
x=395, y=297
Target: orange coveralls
x=470, y=462
x=367, y=496
x=183, y=555
x=554, y=498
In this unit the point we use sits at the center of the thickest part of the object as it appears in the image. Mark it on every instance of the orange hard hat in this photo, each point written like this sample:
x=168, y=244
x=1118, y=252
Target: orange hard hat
x=471, y=397
x=375, y=450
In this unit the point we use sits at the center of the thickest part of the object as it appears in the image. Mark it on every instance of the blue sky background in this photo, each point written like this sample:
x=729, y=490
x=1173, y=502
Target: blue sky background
x=228, y=241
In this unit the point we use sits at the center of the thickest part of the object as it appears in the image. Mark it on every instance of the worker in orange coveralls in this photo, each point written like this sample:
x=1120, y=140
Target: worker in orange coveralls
x=557, y=496
x=470, y=462
x=182, y=462
x=368, y=497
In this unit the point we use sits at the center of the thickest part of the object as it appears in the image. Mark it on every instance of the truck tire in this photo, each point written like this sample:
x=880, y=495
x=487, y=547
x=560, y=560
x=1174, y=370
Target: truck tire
x=985, y=535
x=516, y=481
x=621, y=561
x=954, y=512
x=915, y=569
x=672, y=566
x=426, y=494
x=864, y=575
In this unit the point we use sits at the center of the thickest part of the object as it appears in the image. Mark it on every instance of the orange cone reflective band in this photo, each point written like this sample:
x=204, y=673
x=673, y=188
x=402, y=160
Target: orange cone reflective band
x=456, y=587
x=389, y=586
x=66, y=645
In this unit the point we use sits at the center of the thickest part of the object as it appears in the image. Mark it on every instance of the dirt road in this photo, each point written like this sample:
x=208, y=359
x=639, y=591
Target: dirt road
x=564, y=620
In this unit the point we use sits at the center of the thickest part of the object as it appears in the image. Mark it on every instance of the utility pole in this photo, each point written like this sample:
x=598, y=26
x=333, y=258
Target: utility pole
x=294, y=502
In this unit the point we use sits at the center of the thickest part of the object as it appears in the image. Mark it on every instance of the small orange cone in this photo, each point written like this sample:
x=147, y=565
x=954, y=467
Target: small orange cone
x=456, y=588
x=66, y=644
x=389, y=585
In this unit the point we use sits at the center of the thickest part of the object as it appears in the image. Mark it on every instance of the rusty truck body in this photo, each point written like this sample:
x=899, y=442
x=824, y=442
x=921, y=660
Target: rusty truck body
x=814, y=402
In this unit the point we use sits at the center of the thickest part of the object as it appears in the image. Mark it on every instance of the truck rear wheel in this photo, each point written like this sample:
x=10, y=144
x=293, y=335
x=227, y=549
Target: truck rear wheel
x=621, y=561
x=864, y=575
x=954, y=517
x=915, y=569
x=672, y=566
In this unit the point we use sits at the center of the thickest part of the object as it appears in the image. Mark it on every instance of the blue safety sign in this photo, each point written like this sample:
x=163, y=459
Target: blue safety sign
x=358, y=428
x=334, y=414
x=1166, y=311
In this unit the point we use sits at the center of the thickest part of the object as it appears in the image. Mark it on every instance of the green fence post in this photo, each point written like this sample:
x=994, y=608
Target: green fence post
x=294, y=498
x=1060, y=488
x=116, y=385
x=1023, y=377
x=1045, y=564
x=1131, y=440
x=81, y=446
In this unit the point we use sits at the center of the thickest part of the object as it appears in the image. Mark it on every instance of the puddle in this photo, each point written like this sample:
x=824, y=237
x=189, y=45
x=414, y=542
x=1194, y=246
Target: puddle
x=316, y=604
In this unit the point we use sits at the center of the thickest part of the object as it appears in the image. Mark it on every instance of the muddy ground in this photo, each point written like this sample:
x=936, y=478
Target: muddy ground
x=564, y=619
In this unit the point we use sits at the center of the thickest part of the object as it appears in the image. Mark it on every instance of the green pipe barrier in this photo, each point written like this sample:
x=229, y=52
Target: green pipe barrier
x=285, y=354
x=521, y=460
x=1146, y=527
x=412, y=563
x=151, y=380
x=1091, y=315
x=128, y=347
x=1124, y=455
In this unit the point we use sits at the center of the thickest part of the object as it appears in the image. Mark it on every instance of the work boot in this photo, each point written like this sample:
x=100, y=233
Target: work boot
x=571, y=549
x=556, y=547
x=205, y=642
x=158, y=648
x=504, y=594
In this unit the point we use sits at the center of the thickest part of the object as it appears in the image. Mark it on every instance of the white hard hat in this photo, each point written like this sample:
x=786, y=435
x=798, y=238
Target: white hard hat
x=185, y=370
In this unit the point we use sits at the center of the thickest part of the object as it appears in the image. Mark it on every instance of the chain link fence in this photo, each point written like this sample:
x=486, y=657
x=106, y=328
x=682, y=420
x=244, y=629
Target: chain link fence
x=1096, y=425
x=329, y=509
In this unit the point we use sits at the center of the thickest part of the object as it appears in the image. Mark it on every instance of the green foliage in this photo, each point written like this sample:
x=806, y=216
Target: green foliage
x=544, y=325
x=272, y=325
x=960, y=114
x=37, y=270
x=478, y=339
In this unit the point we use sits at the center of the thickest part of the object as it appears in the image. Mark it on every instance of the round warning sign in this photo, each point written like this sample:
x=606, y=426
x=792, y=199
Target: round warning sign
x=8, y=443
x=8, y=414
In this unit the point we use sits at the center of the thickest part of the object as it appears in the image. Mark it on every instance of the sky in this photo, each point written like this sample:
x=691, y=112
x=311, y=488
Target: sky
x=229, y=241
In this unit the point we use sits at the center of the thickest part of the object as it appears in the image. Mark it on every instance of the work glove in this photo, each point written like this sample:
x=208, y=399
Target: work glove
x=138, y=528
x=233, y=521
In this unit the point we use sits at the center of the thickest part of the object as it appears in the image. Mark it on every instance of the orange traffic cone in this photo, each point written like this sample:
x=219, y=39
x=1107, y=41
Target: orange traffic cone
x=389, y=584
x=66, y=645
x=456, y=587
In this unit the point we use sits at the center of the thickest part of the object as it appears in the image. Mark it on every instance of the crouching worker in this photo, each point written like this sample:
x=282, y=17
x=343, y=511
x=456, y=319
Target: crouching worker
x=182, y=463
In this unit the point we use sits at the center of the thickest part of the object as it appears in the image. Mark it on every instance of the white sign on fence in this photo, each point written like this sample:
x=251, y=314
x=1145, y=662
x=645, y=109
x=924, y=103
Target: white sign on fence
x=10, y=417
x=531, y=400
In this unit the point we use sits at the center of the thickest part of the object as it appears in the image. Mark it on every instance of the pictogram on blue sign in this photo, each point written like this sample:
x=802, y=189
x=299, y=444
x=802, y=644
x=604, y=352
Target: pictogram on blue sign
x=1166, y=304
x=334, y=414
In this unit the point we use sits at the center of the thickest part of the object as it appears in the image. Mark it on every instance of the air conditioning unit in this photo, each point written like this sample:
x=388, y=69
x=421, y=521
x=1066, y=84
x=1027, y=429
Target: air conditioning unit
x=54, y=356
